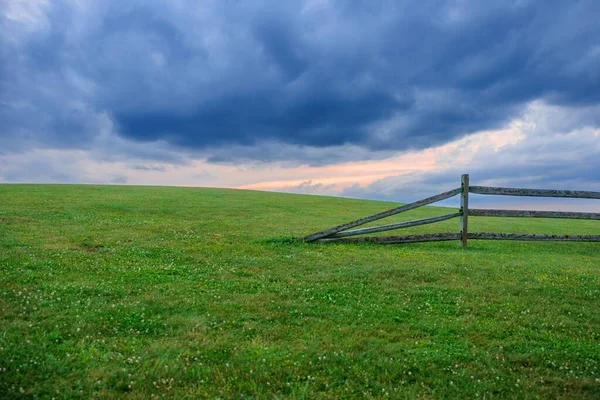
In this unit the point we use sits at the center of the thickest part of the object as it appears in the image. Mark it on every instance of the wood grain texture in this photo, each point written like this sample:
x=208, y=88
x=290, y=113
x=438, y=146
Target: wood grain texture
x=464, y=210
x=532, y=237
x=399, y=225
x=580, y=194
x=431, y=237
x=340, y=233
x=533, y=214
x=375, y=217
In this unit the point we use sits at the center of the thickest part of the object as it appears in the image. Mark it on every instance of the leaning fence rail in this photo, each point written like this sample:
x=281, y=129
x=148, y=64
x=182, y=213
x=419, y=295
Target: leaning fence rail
x=343, y=232
x=384, y=214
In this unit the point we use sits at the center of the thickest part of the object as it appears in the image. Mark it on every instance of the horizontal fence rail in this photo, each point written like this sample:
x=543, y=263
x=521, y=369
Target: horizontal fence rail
x=533, y=214
x=528, y=236
x=341, y=233
x=430, y=237
x=499, y=191
x=438, y=237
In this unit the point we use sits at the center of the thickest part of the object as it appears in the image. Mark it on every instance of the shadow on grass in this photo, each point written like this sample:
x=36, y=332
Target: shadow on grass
x=282, y=240
x=474, y=247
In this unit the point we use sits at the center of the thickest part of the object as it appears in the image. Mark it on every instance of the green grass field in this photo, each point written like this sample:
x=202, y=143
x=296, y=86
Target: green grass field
x=153, y=292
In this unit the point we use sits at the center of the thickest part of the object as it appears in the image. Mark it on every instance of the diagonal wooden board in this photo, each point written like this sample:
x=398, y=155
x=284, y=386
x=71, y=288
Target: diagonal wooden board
x=384, y=214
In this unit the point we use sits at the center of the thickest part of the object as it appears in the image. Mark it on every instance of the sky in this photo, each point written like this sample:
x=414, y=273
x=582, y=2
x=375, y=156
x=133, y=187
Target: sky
x=387, y=100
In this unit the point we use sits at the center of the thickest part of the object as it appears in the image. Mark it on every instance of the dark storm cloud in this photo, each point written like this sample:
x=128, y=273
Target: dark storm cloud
x=247, y=120
x=196, y=76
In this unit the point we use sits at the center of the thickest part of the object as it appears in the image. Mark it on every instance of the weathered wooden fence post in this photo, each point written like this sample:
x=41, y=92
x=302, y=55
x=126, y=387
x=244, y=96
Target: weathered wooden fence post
x=342, y=232
x=464, y=209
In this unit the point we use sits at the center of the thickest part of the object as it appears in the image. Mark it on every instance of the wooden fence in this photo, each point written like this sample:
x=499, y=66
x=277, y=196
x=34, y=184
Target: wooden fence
x=342, y=233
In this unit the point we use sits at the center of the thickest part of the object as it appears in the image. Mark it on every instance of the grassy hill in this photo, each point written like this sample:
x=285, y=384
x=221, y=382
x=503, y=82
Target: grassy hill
x=146, y=292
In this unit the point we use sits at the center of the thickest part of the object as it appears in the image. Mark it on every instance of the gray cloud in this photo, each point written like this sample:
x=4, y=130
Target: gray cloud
x=141, y=167
x=230, y=81
x=308, y=187
x=544, y=157
x=288, y=155
x=42, y=167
